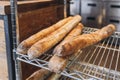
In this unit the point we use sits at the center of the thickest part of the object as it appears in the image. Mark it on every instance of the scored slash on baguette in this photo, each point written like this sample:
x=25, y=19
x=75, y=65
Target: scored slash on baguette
x=48, y=42
x=26, y=44
x=75, y=32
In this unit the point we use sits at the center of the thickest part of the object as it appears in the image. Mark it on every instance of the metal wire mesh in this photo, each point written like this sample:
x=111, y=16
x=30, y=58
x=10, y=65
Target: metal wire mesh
x=97, y=62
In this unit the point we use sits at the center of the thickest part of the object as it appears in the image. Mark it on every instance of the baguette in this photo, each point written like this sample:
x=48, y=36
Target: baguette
x=41, y=74
x=54, y=76
x=48, y=42
x=56, y=63
x=26, y=44
x=85, y=40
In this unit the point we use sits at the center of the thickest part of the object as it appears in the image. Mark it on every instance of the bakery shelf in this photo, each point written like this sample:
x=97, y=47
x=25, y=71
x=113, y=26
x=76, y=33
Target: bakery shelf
x=96, y=62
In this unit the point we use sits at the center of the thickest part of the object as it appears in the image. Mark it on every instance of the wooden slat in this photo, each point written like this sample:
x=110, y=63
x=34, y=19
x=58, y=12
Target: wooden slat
x=23, y=5
x=6, y=3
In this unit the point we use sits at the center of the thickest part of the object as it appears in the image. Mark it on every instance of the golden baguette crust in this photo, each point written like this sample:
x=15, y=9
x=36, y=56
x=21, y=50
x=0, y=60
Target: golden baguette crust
x=54, y=76
x=26, y=44
x=86, y=40
x=56, y=63
x=48, y=42
x=41, y=74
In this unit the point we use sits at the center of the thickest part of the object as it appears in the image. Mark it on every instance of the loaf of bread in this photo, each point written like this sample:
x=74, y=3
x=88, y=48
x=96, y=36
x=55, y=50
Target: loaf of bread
x=26, y=44
x=57, y=63
x=85, y=40
x=54, y=76
x=48, y=42
x=41, y=74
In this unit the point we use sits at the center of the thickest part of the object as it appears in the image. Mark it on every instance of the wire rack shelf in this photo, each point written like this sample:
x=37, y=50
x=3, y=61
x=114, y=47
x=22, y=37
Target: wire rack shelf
x=97, y=62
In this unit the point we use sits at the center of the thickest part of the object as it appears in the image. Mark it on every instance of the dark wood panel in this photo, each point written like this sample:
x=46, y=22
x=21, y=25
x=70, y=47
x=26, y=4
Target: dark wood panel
x=24, y=6
x=33, y=21
x=27, y=70
x=33, y=17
